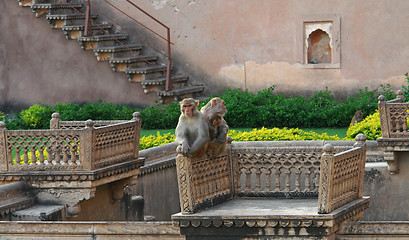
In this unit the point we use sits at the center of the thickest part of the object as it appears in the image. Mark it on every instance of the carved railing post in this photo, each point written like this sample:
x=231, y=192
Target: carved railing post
x=361, y=142
x=185, y=181
x=86, y=146
x=383, y=116
x=3, y=147
x=136, y=116
x=55, y=121
x=326, y=172
x=399, y=94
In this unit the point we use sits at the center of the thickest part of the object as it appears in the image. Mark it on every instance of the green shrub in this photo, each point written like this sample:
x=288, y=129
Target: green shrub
x=244, y=110
x=276, y=134
x=370, y=126
x=37, y=116
x=153, y=141
x=263, y=134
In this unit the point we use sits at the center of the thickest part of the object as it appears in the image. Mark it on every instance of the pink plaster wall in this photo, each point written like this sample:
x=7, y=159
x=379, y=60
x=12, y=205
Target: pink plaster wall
x=253, y=44
x=38, y=64
x=222, y=44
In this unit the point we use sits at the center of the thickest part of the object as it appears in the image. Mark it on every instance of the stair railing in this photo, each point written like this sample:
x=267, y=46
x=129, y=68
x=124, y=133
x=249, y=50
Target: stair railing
x=88, y=32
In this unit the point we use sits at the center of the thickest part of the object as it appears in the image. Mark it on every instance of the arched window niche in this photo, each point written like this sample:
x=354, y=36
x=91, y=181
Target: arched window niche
x=320, y=38
x=319, y=47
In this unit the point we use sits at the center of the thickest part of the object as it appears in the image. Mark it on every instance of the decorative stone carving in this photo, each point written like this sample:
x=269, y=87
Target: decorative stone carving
x=280, y=188
x=393, y=115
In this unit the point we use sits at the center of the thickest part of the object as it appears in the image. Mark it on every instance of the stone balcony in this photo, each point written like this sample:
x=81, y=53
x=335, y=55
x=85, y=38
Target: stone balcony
x=271, y=192
x=66, y=163
x=394, y=125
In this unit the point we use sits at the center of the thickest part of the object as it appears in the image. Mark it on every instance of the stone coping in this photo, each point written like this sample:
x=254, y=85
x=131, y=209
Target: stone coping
x=270, y=213
x=377, y=229
x=88, y=230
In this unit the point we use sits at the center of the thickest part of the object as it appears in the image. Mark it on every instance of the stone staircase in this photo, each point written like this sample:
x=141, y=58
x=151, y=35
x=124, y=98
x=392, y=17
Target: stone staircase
x=117, y=49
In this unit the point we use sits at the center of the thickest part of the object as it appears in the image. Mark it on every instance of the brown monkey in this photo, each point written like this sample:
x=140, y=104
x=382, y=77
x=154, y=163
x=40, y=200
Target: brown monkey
x=214, y=131
x=358, y=117
x=192, y=132
x=216, y=107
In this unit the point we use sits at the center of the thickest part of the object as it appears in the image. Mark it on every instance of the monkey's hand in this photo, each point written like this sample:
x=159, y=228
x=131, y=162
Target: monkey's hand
x=183, y=149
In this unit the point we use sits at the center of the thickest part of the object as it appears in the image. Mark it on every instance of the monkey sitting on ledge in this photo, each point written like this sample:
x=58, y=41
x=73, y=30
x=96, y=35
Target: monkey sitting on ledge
x=358, y=117
x=192, y=132
x=218, y=141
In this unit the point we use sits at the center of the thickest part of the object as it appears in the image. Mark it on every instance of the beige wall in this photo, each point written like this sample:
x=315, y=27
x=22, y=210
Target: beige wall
x=223, y=44
x=38, y=64
x=255, y=44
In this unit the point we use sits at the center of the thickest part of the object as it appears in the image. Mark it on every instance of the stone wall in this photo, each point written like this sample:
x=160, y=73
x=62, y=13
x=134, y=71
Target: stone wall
x=256, y=44
x=38, y=64
x=222, y=44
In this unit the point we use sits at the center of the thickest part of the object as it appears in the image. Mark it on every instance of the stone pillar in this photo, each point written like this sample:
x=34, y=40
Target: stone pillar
x=3, y=147
x=136, y=116
x=86, y=145
x=326, y=171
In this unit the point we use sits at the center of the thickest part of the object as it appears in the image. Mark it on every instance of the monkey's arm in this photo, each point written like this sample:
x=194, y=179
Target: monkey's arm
x=181, y=139
x=199, y=146
x=223, y=130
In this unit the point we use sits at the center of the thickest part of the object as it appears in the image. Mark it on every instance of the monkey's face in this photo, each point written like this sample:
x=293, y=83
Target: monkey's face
x=188, y=109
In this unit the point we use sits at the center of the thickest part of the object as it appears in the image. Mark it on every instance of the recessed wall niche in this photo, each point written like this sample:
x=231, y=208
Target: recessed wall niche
x=320, y=37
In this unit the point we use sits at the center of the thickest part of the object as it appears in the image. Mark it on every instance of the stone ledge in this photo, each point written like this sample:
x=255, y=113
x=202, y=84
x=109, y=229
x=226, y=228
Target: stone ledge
x=298, y=219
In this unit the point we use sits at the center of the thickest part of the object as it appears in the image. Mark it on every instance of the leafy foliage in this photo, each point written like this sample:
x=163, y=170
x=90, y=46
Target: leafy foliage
x=263, y=134
x=153, y=141
x=370, y=126
x=244, y=110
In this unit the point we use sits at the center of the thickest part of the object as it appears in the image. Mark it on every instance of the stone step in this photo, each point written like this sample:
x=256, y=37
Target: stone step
x=60, y=20
x=76, y=31
x=105, y=53
x=98, y=41
x=158, y=84
x=179, y=94
x=120, y=64
x=142, y=73
x=14, y=196
x=50, y=8
x=40, y=212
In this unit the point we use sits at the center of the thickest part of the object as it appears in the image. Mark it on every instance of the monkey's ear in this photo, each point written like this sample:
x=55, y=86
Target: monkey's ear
x=214, y=101
x=197, y=103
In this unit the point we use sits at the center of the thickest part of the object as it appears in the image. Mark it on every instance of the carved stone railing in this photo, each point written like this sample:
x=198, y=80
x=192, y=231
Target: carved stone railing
x=341, y=176
x=277, y=172
x=70, y=150
x=56, y=123
x=274, y=172
x=395, y=135
x=203, y=182
x=270, y=190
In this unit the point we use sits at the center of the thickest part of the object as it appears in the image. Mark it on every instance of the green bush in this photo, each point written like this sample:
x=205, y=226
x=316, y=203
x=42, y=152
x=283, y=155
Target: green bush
x=153, y=141
x=263, y=134
x=370, y=126
x=244, y=110
x=276, y=134
x=37, y=116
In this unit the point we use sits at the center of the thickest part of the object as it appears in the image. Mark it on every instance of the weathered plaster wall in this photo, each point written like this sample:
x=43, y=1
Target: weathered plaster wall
x=389, y=193
x=256, y=44
x=223, y=44
x=38, y=64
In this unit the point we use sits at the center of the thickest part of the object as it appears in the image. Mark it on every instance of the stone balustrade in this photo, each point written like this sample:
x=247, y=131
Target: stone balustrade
x=395, y=135
x=282, y=172
x=302, y=192
x=70, y=150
